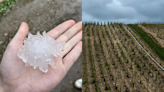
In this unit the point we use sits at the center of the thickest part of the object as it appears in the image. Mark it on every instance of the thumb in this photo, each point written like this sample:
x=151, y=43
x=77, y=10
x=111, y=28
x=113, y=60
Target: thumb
x=20, y=35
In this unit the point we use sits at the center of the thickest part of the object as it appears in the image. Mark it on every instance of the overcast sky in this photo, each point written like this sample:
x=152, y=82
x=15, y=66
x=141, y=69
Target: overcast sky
x=126, y=11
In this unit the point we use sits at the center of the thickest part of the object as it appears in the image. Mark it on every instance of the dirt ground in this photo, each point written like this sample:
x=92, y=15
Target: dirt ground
x=43, y=15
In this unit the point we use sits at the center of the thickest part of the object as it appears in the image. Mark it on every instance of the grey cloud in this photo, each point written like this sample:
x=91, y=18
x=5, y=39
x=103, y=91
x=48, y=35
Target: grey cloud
x=127, y=11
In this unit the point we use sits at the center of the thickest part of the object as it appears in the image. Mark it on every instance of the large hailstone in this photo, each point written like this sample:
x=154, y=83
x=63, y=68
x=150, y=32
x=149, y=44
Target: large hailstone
x=39, y=51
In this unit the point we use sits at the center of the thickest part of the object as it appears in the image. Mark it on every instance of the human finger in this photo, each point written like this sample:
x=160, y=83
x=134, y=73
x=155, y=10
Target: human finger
x=71, y=43
x=70, y=32
x=58, y=30
x=20, y=35
x=72, y=56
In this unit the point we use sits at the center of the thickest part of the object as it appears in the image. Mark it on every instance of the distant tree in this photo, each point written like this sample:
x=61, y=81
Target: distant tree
x=108, y=23
x=104, y=23
x=94, y=23
x=97, y=23
x=111, y=23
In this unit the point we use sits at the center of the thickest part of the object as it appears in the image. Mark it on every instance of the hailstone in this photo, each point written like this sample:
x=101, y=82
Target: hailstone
x=39, y=51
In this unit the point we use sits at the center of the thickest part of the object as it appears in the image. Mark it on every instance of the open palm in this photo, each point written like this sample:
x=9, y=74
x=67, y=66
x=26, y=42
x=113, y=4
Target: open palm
x=15, y=76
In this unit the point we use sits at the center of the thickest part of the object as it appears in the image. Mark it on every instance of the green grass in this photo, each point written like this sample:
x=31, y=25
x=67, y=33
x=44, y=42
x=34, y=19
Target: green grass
x=157, y=49
x=6, y=5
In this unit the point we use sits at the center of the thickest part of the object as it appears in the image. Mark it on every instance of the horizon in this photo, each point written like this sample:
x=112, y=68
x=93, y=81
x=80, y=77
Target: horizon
x=106, y=22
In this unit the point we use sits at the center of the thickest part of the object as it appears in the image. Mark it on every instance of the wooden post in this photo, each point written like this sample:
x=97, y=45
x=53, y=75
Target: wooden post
x=131, y=64
x=120, y=72
x=138, y=87
x=148, y=83
x=135, y=70
x=132, y=82
x=127, y=73
x=158, y=72
x=149, y=70
x=116, y=82
x=140, y=77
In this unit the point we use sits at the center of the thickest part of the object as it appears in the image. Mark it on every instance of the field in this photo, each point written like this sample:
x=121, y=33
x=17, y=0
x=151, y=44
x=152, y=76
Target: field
x=114, y=62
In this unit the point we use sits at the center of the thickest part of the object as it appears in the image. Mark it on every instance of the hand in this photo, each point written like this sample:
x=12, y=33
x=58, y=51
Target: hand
x=15, y=76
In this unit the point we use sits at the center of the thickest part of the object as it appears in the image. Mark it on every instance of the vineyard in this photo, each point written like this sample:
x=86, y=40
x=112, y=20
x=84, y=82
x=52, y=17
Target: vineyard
x=158, y=29
x=114, y=62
